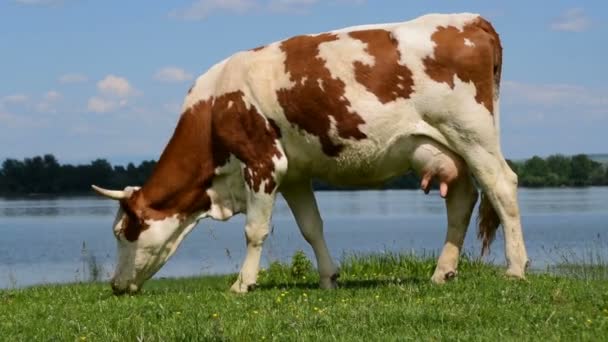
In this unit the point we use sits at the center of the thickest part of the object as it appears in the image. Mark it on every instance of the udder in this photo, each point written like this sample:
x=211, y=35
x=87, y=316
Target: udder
x=435, y=163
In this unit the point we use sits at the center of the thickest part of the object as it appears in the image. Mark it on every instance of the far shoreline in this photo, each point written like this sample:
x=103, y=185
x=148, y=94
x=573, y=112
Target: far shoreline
x=91, y=194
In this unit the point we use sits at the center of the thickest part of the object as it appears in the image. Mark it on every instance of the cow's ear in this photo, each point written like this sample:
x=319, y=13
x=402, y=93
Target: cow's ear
x=134, y=221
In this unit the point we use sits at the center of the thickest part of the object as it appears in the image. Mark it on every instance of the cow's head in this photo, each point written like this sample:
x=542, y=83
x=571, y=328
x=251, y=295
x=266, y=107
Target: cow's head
x=145, y=237
x=195, y=177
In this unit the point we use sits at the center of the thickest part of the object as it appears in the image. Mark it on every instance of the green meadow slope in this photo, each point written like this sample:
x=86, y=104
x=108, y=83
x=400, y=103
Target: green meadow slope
x=381, y=298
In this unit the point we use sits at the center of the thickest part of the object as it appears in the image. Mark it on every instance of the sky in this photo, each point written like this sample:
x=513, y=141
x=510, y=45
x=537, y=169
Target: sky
x=106, y=79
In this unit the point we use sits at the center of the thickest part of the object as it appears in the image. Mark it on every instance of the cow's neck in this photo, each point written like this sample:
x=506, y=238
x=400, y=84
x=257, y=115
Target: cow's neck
x=185, y=170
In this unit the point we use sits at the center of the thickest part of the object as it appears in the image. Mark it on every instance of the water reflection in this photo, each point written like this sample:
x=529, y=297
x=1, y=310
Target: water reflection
x=349, y=203
x=42, y=239
x=57, y=207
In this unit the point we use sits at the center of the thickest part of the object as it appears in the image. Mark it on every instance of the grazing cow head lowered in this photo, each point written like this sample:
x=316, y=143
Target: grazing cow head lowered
x=193, y=179
x=144, y=243
x=355, y=106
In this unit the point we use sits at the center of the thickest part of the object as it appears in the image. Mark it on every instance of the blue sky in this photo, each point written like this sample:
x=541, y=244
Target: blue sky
x=88, y=79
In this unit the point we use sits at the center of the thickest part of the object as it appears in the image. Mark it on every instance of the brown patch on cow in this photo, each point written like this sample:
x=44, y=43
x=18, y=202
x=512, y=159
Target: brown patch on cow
x=133, y=223
x=249, y=137
x=181, y=177
x=479, y=64
x=258, y=48
x=275, y=127
x=316, y=96
x=387, y=79
x=205, y=137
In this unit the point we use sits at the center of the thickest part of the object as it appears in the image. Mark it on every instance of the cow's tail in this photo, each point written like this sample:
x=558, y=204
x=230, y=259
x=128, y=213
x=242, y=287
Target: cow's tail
x=488, y=220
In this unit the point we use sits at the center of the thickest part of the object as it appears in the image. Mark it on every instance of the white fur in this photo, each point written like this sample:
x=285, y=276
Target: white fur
x=139, y=260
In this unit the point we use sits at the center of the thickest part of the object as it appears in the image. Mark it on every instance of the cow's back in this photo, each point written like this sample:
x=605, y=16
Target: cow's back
x=349, y=103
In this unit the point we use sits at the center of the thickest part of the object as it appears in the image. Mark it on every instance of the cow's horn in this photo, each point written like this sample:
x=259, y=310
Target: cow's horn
x=113, y=194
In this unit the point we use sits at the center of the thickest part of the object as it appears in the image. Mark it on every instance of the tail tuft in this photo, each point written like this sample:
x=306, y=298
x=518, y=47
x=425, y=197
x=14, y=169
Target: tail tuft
x=488, y=222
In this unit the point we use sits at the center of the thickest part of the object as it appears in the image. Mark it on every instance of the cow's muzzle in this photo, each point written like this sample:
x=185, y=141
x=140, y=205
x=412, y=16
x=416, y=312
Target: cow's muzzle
x=121, y=290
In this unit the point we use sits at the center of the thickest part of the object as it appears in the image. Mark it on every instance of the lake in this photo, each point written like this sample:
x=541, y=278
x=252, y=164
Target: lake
x=44, y=240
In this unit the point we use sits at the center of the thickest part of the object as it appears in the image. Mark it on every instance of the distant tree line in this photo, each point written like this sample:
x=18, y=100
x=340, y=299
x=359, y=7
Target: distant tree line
x=558, y=170
x=45, y=175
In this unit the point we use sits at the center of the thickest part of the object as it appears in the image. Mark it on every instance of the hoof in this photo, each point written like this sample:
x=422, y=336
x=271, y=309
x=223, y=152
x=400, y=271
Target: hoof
x=241, y=287
x=330, y=283
x=517, y=272
x=443, y=277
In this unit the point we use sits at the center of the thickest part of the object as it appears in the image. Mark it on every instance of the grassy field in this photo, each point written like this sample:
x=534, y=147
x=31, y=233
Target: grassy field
x=381, y=298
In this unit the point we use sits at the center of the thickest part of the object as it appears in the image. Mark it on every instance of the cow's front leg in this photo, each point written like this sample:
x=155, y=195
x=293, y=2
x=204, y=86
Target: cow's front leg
x=460, y=202
x=301, y=201
x=259, y=212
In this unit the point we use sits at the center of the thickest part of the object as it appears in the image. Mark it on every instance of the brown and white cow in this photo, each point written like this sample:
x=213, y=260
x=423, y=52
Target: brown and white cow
x=355, y=106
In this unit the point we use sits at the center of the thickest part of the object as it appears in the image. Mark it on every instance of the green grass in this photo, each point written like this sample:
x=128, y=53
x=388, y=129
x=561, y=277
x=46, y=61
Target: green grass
x=381, y=298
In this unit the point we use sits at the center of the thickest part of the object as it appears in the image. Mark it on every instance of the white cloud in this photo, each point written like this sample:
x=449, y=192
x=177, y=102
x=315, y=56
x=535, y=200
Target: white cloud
x=116, y=86
x=201, y=9
x=45, y=104
x=49, y=101
x=14, y=99
x=70, y=78
x=113, y=92
x=52, y=95
x=12, y=120
x=98, y=104
x=554, y=94
x=572, y=20
x=45, y=107
x=172, y=74
x=554, y=104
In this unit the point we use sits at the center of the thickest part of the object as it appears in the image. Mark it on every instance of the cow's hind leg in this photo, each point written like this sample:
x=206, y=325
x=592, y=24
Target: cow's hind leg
x=475, y=138
x=301, y=201
x=460, y=202
x=499, y=183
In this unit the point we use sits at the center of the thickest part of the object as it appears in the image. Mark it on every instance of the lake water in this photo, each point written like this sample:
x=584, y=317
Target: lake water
x=41, y=241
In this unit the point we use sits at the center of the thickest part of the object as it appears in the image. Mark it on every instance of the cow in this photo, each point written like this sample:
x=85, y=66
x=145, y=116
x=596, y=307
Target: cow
x=356, y=107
